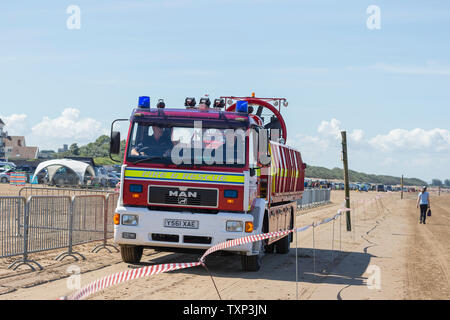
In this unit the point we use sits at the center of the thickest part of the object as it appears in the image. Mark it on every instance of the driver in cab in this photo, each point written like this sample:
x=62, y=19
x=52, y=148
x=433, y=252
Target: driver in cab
x=159, y=144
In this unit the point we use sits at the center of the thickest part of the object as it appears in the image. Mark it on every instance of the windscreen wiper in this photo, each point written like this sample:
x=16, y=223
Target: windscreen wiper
x=149, y=158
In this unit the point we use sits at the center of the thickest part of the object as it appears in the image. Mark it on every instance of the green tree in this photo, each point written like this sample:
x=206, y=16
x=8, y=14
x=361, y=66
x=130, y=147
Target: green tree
x=447, y=183
x=74, y=149
x=436, y=182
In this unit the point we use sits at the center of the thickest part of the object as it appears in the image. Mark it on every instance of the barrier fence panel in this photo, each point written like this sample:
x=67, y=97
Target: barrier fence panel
x=11, y=226
x=88, y=218
x=108, y=226
x=48, y=222
x=313, y=197
x=111, y=201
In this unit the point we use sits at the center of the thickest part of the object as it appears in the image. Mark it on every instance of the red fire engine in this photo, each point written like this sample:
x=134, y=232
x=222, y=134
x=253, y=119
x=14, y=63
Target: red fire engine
x=198, y=176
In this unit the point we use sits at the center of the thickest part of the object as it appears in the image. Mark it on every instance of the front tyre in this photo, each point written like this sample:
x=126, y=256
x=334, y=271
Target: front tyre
x=254, y=262
x=131, y=254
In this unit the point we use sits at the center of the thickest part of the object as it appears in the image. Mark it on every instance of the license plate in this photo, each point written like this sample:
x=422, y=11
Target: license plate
x=178, y=223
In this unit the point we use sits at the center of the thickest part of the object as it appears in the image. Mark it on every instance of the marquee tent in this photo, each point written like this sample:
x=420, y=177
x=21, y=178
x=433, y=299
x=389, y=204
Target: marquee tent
x=52, y=166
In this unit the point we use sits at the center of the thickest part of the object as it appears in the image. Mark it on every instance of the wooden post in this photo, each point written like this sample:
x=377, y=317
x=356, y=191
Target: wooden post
x=346, y=182
x=401, y=197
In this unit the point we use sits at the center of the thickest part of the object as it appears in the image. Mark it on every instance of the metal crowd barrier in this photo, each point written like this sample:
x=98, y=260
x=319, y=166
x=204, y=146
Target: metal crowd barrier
x=313, y=198
x=44, y=191
x=48, y=222
x=11, y=226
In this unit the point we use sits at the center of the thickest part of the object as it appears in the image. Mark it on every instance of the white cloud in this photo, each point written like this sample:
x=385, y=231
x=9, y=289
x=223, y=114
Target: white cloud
x=324, y=149
x=389, y=162
x=332, y=129
x=417, y=153
x=15, y=124
x=66, y=129
x=434, y=140
x=357, y=135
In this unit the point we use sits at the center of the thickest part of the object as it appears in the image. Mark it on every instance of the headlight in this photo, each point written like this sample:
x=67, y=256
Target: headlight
x=130, y=220
x=235, y=226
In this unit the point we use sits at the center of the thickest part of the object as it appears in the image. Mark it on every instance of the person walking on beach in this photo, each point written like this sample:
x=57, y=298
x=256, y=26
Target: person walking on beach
x=423, y=200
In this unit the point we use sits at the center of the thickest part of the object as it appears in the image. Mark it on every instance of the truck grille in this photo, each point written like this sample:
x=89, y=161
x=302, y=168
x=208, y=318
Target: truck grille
x=184, y=197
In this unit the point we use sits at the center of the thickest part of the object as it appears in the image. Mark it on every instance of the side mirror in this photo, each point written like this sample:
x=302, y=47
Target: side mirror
x=114, y=146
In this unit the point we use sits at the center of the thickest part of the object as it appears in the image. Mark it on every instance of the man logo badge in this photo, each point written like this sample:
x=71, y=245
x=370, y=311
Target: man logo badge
x=182, y=196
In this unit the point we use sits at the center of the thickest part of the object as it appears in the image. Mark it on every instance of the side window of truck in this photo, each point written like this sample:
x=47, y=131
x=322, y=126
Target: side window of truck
x=252, y=148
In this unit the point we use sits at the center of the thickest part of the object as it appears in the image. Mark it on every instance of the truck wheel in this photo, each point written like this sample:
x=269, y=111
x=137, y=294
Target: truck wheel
x=269, y=248
x=131, y=254
x=282, y=246
x=4, y=180
x=252, y=263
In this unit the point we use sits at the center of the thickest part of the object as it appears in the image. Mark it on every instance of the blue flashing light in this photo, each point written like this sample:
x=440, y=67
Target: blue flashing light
x=242, y=106
x=136, y=188
x=144, y=102
x=230, y=193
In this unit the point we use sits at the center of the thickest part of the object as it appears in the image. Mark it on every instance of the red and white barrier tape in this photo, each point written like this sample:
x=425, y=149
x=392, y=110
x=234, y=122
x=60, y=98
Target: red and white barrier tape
x=124, y=276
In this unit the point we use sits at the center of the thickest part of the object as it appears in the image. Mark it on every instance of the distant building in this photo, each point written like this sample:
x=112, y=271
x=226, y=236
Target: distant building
x=64, y=148
x=2, y=137
x=15, y=148
x=46, y=154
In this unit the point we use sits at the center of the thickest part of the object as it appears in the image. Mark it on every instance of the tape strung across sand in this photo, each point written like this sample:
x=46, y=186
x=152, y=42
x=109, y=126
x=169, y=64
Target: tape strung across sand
x=128, y=275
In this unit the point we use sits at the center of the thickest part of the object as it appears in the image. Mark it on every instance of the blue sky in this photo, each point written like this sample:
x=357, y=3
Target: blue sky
x=388, y=88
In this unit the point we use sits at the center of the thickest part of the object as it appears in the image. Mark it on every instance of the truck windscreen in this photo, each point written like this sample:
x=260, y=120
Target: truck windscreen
x=187, y=145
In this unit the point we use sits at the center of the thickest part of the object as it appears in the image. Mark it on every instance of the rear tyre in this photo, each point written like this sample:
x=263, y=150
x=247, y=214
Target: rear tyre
x=131, y=254
x=283, y=245
x=4, y=180
x=269, y=248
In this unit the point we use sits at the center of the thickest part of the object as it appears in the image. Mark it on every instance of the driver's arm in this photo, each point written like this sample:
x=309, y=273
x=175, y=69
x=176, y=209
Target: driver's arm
x=137, y=150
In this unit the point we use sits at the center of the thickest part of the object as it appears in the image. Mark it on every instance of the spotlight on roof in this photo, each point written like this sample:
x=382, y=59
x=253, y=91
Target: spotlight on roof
x=205, y=101
x=161, y=104
x=219, y=103
x=190, y=102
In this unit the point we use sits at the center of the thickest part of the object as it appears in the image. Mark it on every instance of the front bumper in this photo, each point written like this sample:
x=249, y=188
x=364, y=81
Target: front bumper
x=151, y=230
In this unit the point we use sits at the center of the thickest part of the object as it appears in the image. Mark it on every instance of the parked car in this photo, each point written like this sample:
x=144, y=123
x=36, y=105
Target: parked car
x=114, y=174
x=364, y=187
x=380, y=188
x=7, y=165
x=101, y=177
x=6, y=173
x=4, y=178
